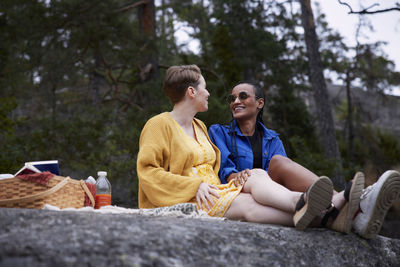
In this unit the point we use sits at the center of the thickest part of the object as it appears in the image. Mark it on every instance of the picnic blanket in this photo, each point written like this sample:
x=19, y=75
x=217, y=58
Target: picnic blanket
x=185, y=210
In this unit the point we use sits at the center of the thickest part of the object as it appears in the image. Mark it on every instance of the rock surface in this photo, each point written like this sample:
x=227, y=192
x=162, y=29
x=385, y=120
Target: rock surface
x=52, y=238
x=377, y=109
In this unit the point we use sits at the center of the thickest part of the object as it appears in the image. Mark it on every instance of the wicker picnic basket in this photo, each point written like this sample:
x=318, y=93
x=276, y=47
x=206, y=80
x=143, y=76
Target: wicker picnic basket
x=59, y=191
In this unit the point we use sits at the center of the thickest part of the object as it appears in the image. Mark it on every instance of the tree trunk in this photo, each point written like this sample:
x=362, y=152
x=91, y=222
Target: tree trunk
x=147, y=25
x=323, y=107
x=95, y=81
x=350, y=118
x=147, y=18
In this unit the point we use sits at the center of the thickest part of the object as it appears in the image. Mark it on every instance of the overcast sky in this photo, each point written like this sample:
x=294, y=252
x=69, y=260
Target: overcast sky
x=386, y=25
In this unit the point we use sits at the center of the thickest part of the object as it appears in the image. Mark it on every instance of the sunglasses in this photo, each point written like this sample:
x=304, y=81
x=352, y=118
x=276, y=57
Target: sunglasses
x=242, y=96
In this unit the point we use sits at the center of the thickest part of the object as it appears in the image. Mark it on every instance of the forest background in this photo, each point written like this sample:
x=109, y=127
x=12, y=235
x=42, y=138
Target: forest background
x=78, y=80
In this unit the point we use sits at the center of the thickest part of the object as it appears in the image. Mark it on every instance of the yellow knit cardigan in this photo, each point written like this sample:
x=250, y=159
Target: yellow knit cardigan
x=164, y=163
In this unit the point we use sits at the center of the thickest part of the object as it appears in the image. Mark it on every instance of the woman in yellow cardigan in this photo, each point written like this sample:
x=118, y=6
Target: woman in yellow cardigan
x=178, y=163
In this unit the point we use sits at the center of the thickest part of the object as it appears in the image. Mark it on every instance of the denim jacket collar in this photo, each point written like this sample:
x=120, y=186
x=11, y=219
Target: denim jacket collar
x=267, y=133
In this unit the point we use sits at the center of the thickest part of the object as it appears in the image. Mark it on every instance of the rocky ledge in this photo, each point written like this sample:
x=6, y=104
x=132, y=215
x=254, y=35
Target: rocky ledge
x=51, y=238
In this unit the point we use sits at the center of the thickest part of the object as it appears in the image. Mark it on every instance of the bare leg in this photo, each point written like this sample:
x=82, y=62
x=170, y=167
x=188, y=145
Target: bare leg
x=338, y=199
x=244, y=207
x=269, y=193
x=290, y=174
x=298, y=178
x=295, y=177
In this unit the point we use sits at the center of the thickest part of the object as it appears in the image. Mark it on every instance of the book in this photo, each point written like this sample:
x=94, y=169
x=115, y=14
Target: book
x=27, y=169
x=40, y=166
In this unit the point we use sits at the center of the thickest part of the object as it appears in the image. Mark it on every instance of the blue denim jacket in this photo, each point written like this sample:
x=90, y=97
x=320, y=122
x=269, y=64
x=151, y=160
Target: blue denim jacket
x=235, y=160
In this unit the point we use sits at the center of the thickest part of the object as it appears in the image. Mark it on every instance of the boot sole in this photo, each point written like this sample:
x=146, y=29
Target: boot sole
x=345, y=218
x=319, y=196
x=389, y=193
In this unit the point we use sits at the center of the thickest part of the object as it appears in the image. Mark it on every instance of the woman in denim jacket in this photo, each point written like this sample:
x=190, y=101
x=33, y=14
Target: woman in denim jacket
x=246, y=144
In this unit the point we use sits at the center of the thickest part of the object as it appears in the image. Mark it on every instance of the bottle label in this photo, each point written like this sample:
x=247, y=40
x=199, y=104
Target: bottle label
x=102, y=200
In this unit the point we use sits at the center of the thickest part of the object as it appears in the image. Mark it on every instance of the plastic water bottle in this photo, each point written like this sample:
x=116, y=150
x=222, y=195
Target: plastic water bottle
x=103, y=190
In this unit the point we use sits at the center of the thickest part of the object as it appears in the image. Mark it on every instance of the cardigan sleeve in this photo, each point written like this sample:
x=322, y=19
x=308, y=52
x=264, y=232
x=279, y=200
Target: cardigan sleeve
x=160, y=186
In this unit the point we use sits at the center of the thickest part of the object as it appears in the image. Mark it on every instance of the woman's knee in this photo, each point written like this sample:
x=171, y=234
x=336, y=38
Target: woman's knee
x=242, y=207
x=258, y=178
x=259, y=173
x=278, y=163
x=279, y=160
x=239, y=206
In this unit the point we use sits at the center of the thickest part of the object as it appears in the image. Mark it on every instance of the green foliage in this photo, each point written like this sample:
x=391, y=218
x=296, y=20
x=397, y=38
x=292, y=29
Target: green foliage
x=282, y=108
x=225, y=52
x=376, y=71
x=383, y=148
x=7, y=104
x=390, y=146
x=309, y=158
x=371, y=146
x=9, y=145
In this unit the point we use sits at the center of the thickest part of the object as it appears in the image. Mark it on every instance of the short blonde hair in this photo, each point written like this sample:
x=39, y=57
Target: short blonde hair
x=178, y=79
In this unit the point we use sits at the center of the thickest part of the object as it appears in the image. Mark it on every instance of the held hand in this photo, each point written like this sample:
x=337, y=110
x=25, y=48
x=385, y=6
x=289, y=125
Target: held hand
x=204, y=195
x=241, y=177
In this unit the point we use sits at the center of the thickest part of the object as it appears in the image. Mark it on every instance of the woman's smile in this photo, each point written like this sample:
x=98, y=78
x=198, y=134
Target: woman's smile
x=243, y=103
x=238, y=108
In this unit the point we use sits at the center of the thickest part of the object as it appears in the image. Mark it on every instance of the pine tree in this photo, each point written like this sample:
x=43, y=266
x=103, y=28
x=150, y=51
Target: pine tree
x=324, y=112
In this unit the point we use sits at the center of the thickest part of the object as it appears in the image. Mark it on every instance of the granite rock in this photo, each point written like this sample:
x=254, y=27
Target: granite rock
x=67, y=238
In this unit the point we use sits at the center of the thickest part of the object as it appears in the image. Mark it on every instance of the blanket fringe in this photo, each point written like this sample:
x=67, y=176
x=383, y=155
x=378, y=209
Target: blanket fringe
x=183, y=210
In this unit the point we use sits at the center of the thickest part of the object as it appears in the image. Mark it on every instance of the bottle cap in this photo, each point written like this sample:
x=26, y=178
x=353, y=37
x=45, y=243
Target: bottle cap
x=90, y=180
x=101, y=173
